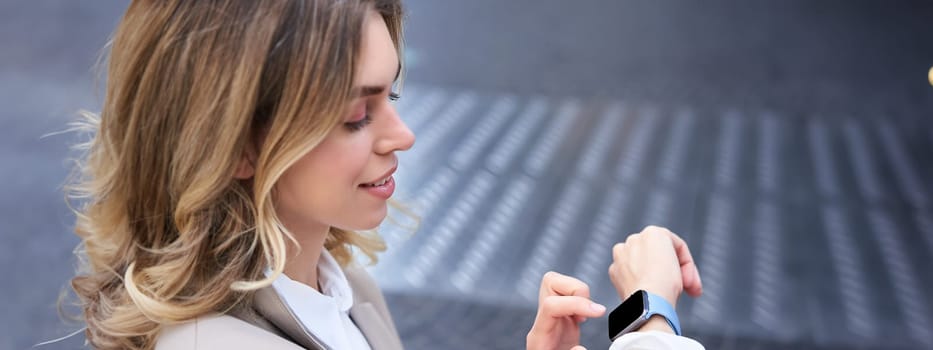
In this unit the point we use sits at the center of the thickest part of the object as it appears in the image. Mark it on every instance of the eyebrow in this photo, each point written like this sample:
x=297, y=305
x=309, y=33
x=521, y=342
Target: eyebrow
x=366, y=91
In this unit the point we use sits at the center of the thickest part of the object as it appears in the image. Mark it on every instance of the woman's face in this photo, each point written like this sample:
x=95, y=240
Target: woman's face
x=345, y=181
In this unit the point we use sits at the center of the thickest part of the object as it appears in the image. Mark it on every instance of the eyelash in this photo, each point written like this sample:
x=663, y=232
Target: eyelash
x=362, y=123
x=359, y=124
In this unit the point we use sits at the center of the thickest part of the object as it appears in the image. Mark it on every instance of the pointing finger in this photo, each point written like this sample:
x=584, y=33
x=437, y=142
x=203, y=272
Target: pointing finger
x=554, y=283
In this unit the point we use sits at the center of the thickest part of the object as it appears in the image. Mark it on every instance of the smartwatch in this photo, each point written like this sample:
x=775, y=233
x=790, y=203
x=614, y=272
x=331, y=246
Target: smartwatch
x=635, y=312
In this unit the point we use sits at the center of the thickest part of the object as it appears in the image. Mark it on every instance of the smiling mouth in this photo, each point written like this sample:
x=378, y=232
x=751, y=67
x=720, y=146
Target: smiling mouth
x=377, y=184
x=384, y=180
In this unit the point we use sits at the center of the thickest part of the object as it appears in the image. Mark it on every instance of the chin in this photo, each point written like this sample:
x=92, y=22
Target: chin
x=370, y=221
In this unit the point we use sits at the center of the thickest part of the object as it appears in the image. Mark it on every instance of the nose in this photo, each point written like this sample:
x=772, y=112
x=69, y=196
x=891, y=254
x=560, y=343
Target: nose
x=396, y=137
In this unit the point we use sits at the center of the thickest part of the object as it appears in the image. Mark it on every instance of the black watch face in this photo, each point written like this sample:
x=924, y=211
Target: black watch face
x=626, y=313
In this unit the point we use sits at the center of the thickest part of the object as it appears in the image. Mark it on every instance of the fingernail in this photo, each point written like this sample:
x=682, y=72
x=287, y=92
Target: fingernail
x=598, y=308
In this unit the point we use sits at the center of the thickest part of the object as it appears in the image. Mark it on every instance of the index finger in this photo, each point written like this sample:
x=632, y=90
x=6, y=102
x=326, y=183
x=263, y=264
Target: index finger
x=554, y=283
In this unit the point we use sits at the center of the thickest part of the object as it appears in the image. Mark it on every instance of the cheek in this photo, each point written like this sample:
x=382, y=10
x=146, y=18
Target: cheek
x=331, y=167
x=344, y=162
x=322, y=184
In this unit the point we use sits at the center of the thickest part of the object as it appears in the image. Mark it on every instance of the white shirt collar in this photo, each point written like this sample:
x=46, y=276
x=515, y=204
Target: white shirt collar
x=325, y=313
x=333, y=282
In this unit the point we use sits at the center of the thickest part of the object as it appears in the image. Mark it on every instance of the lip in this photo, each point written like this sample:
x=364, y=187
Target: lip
x=384, y=176
x=383, y=192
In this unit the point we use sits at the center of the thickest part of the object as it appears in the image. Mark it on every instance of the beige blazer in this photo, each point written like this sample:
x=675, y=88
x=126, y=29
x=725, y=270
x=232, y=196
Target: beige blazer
x=270, y=324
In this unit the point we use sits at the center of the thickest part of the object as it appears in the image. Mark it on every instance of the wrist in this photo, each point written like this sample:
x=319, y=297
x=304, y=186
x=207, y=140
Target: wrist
x=671, y=296
x=656, y=323
x=643, y=311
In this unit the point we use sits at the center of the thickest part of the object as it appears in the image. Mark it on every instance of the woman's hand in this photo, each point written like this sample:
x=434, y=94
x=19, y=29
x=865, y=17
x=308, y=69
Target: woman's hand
x=655, y=260
x=563, y=303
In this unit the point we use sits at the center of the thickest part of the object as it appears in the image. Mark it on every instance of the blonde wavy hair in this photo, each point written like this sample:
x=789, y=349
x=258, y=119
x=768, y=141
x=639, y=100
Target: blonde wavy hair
x=167, y=233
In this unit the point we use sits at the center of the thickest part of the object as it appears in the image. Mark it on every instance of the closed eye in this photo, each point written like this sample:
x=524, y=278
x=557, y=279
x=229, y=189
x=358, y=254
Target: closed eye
x=359, y=124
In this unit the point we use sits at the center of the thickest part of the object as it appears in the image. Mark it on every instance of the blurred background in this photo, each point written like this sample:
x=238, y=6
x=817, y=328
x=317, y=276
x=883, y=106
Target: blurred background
x=789, y=142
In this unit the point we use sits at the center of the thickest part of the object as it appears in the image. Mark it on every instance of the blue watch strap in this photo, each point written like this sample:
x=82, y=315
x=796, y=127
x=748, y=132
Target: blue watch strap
x=659, y=306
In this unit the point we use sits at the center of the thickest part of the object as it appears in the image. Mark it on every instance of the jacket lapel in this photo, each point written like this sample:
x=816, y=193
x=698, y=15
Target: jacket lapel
x=270, y=306
x=272, y=314
x=370, y=323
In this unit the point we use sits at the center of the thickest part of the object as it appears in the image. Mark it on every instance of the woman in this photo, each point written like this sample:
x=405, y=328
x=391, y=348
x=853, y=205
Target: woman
x=241, y=147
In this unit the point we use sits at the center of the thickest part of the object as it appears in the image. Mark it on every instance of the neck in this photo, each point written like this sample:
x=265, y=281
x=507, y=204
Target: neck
x=302, y=261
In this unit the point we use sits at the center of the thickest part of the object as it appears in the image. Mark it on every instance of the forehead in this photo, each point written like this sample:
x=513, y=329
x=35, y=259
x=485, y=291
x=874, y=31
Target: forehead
x=378, y=63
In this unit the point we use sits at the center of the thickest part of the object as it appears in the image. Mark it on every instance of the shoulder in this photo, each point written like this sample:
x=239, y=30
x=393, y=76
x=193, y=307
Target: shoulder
x=219, y=332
